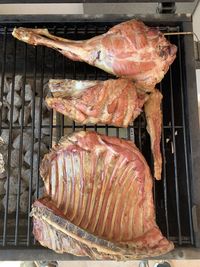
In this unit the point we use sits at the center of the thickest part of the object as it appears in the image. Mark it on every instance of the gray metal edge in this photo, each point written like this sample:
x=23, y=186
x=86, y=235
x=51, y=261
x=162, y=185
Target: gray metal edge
x=86, y=1
x=194, y=131
x=46, y=254
x=108, y=17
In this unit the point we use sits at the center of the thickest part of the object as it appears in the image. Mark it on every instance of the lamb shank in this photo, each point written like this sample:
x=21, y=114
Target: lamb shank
x=114, y=102
x=130, y=49
x=99, y=201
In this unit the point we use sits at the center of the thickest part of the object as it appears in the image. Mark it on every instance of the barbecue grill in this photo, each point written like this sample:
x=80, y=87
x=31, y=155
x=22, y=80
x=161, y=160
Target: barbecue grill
x=176, y=196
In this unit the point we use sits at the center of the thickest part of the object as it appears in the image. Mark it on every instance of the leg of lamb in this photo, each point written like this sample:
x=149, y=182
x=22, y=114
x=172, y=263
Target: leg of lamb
x=130, y=50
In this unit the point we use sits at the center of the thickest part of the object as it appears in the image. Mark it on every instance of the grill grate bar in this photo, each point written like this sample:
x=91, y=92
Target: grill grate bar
x=53, y=76
x=89, y=126
x=164, y=175
x=175, y=157
x=40, y=120
x=32, y=147
x=40, y=123
x=96, y=76
x=20, y=148
x=9, y=145
x=185, y=144
x=4, y=52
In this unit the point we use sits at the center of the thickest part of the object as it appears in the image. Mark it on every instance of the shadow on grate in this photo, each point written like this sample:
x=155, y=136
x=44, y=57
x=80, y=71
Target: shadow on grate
x=29, y=129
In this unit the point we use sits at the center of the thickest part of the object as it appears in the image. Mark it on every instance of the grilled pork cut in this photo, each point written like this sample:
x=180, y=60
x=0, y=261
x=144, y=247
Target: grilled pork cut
x=53, y=230
x=114, y=102
x=130, y=50
x=101, y=187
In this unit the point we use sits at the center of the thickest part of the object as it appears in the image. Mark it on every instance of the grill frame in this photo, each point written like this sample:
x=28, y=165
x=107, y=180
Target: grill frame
x=191, y=116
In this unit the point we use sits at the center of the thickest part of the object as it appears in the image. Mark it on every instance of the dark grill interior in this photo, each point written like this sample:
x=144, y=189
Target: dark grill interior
x=37, y=65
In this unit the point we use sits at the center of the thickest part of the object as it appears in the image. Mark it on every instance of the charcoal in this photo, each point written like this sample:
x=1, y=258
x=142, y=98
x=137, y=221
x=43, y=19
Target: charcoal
x=4, y=112
x=2, y=175
x=28, y=156
x=28, y=92
x=17, y=99
x=3, y=155
x=46, y=140
x=18, y=83
x=37, y=104
x=45, y=89
x=13, y=185
x=24, y=202
x=6, y=87
x=2, y=163
x=44, y=86
x=2, y=189
x=12, y=203
x=43, y=148
x=27, y=139
x=27, y=176
x=27, y=113
x=15, y=158
x=41, y=192
x=5, y=135
x=46, y=122
x=15, y=114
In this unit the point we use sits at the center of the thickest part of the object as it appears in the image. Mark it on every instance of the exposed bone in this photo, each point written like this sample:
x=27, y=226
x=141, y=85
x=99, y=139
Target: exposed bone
x=17, y=99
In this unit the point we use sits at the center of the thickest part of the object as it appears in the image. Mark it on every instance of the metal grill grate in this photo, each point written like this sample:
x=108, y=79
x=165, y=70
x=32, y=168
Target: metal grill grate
x=36, y=65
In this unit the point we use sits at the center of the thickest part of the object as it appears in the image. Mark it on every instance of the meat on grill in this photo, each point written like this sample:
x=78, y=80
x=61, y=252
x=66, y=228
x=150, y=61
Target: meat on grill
x=101, y=204
x=114, y=102
x=130, y=50
x=53, y=230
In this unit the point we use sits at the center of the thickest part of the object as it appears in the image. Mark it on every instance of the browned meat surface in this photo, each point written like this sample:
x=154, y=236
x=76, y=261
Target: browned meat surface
x=130, y=50
x=152, y=109
x=53, y=230
x=102, y=185
x=115, y=102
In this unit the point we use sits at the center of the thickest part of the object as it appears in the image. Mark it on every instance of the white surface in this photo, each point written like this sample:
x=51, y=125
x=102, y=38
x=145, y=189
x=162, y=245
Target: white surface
x=173, y=263
x=91, y=8
x=39, y=9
